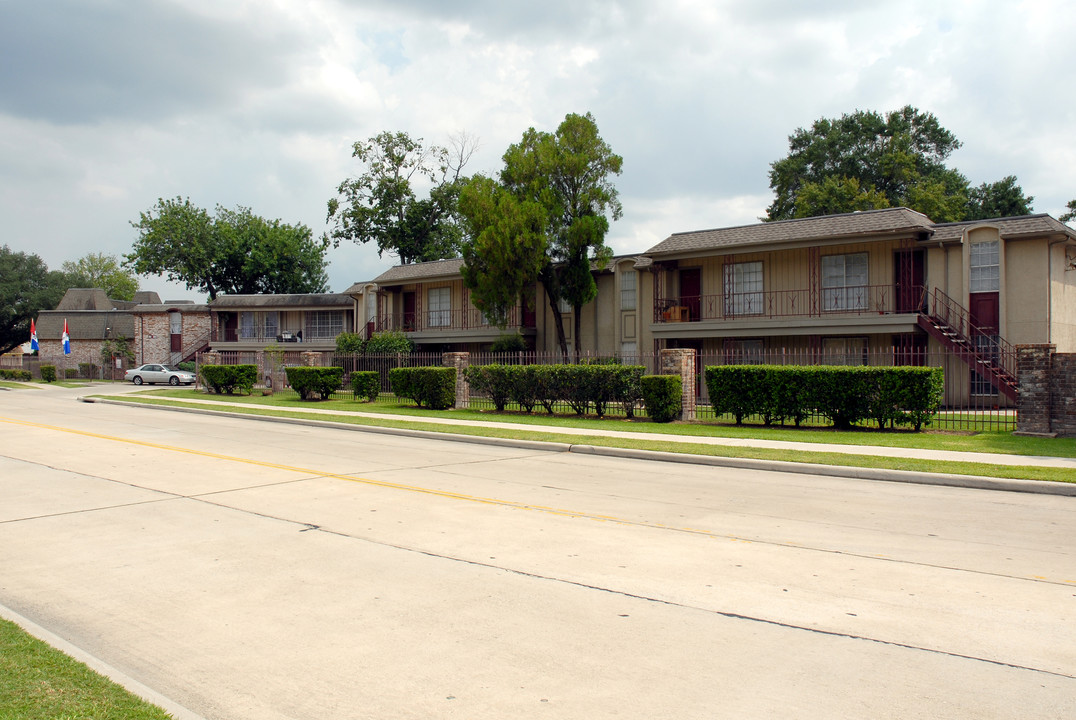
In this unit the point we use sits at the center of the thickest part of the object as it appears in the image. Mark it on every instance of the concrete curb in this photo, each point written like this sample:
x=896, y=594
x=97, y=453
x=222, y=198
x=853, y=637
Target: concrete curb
x=856, y=473
x=99, y=666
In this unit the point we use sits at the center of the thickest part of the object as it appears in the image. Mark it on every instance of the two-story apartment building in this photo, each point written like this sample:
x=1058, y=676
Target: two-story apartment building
x=244, y=323
x=843, y=288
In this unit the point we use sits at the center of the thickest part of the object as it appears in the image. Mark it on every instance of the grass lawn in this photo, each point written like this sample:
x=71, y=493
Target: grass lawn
x=38, y=682
x=286, y=403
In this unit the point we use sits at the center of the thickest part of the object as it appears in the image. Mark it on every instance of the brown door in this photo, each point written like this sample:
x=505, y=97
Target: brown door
x=908, y=279
x=691, y=292
x=409, y=311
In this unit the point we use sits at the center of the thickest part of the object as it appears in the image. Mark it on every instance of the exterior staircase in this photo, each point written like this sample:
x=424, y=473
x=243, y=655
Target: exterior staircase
x=200, y=343
x=991, y=356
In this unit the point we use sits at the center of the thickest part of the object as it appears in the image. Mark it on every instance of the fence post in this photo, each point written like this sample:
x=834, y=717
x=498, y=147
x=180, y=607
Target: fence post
x=460, y=361
x=1033, y=399
x=310, y=359
x=681, y=361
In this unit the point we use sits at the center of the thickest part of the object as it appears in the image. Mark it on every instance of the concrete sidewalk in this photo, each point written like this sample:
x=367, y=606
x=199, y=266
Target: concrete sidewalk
x=896, y=452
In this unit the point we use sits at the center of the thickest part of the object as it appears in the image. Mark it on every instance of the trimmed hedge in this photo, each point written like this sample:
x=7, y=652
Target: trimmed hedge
x=581, y=386
x=429, y=387
x=662, y=396
x=844, y=395
x=226, y=379
x=320, y=381
x=365, y=384
x=10, y=374
x=48, y=373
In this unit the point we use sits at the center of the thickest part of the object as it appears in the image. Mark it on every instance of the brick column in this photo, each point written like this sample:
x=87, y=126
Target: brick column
x=1033, y=401
x=310, y=359
x=1063, y=394
x=681, y=361
x=460, y=361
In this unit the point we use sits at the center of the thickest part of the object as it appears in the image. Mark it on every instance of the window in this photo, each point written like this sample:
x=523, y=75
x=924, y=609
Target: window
x=440, y=306
x=257, y=325
x=324, y=324
x=564, y=306
x=629, y=353
x=745, y=352
x=844, y=351
x=743, y=288
x=985, y=266
x=627, y=290
x=987, y=345
x=844, y=282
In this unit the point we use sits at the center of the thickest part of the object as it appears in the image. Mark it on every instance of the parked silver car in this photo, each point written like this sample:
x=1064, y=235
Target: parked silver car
x=158, y=374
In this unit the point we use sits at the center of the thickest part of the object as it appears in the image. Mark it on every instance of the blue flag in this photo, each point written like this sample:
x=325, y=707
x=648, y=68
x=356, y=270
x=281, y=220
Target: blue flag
x=66, y=339
x=33, y=336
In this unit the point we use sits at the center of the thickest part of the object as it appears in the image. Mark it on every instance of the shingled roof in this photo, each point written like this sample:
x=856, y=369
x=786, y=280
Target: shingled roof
x=401, y=274
x=281, y=301
x=889, y=221
x=1010, y=227
x=85, y=324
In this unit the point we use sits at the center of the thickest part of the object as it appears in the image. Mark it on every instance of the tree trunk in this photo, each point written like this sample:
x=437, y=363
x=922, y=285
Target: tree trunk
x=577, y=321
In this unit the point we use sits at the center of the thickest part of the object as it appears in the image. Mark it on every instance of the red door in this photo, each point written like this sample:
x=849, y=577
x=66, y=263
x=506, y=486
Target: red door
x=985, y=314
x=691, y=292
x=908, y=279
x=409, y=311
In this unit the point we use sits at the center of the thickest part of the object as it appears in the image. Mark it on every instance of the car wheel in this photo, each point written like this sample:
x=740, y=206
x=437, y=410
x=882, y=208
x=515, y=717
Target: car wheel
x=173, y=380
x=137, y=379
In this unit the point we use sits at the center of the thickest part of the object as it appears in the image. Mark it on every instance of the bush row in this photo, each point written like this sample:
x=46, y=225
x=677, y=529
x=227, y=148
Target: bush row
x=429, y=387
x=320, y=381
x=844, y=395
x=48, y=373
x=581, y=386
x=365, y=384
x=10, y=374
x=226, y=379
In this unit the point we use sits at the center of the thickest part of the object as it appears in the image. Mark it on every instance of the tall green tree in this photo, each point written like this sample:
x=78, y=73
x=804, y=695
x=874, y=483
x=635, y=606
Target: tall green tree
x=546, y=221
x=1003, y=198
x=233, y=252
x=27, y=287
x=382, y=206
x=865, y=161
x=105, y=272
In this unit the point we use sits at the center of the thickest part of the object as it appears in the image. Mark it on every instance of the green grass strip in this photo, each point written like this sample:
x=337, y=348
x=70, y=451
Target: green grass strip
x=1020, y=472
x=38, y=682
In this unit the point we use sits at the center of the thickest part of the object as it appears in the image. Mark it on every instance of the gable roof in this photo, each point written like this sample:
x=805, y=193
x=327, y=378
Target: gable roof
x=411, y=272
x=1008, y=227
x=85, y=324
x=284, y=301
x=889, y=221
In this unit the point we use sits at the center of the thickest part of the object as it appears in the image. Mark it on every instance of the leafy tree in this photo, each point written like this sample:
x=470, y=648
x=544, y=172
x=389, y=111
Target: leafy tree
x=235, y=252
x=27, y=286
x=1071, y=214
x=545, y=221
x=350, y=342
x=389, y=341
x=1003, y=198
x=105, y=272
x=864, y=161
x=381, y=205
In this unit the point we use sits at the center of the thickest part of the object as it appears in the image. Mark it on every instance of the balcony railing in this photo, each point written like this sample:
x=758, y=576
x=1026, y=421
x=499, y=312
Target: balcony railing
x=854, y=300
x=450, y=320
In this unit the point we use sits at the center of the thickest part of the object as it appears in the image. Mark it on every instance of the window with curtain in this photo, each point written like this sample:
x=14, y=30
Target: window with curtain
x=323, y=324
x=844, y=282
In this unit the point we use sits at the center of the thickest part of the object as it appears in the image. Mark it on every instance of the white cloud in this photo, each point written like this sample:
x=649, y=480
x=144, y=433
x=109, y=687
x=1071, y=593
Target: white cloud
x=106, y=106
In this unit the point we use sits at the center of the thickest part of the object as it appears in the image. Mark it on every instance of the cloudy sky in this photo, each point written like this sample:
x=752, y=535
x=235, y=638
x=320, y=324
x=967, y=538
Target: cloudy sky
x=107, y=105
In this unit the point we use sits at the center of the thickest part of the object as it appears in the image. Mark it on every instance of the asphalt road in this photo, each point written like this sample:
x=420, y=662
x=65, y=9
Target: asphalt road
x=254, y=570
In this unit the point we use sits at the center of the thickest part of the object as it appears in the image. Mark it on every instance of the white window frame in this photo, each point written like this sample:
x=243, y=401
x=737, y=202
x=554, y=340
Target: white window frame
x=984, y=263
x=845, y=279
x=743, y=288
x=323, y=324
x=439, y=306
x=628, y=287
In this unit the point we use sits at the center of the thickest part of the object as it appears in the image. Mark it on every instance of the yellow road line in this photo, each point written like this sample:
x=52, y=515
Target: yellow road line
x=364, y=481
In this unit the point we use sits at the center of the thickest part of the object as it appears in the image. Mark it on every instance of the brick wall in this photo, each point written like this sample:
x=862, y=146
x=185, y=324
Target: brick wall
x=681, y=361
x=1047, y=400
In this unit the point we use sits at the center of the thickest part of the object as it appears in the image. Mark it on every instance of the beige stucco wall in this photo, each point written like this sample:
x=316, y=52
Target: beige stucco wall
x=1062, y=297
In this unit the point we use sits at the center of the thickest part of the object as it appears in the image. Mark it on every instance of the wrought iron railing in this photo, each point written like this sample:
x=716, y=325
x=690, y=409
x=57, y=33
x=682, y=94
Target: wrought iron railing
x=470, y=318
x=852, y=300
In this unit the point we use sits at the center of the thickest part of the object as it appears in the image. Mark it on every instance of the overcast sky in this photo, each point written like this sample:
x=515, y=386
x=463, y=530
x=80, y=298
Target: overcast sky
x=108, y=105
